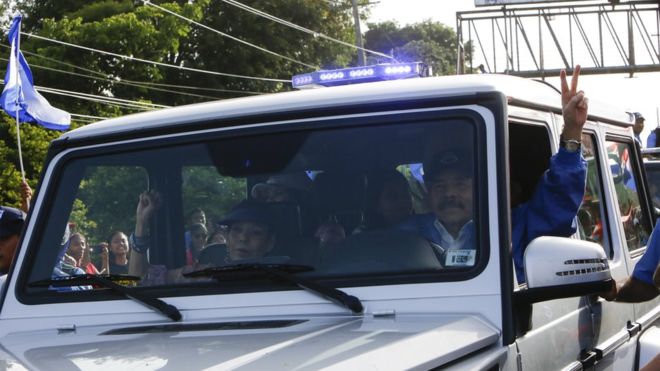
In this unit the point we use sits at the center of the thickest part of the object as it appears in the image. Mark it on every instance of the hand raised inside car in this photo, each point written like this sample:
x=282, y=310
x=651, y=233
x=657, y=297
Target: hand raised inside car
x=574, y=106
x=148, y=203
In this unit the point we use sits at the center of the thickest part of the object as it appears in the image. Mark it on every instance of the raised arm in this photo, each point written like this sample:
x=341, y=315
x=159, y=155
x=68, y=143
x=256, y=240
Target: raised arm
x=552, y=209
x=574, y=106
x=148, y=203
x=26, y=196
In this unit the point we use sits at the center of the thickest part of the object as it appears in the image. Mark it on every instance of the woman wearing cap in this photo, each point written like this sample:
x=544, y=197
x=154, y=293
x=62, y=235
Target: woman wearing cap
x=250, y=234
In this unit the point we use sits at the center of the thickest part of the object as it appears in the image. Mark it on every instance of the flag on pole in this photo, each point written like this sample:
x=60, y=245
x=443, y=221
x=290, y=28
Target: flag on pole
x=19, y=98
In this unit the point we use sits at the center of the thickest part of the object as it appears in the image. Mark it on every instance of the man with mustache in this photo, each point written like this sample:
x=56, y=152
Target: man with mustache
x=551, y=210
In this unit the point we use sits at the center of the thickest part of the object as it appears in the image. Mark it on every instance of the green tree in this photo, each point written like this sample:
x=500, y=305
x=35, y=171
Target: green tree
x=203, y=187
x=430, y=42
x=108, y=196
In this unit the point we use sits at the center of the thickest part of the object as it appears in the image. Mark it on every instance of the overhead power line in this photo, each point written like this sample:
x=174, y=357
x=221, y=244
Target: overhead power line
x=96, y=99
x=110, y=99
x=147, y=2
x=301, y=28
x=119, y=80
x=89, y=116
x=131, y=58
x=122, y=103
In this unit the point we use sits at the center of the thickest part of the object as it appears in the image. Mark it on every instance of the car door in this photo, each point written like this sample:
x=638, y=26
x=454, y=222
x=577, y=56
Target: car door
x=552, y=334
x=626, y=231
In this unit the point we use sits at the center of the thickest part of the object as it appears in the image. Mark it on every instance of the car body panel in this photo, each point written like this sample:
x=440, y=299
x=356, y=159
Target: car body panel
x=308, y=344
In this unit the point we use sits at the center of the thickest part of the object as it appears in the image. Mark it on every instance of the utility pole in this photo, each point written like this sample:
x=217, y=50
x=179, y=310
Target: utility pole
x=358, y=35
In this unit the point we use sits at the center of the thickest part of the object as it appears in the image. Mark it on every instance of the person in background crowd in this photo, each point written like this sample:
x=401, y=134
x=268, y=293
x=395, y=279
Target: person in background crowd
x=652, y=139
x=198, y=235
x=194, y=216
x=75, y=250
x=118, y=253
x=219, y=235
x=11, y=224
x=389, y=200
x=639, y=127
x=99, y=256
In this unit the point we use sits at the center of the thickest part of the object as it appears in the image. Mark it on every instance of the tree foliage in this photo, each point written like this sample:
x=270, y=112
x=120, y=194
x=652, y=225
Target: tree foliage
x=430, y=42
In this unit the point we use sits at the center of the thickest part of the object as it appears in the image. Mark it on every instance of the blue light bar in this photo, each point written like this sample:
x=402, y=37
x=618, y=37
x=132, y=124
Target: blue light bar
x=354, y=75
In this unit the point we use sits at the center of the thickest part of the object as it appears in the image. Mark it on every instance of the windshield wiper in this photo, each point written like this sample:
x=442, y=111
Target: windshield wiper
x=109, y=282
x=284, y=272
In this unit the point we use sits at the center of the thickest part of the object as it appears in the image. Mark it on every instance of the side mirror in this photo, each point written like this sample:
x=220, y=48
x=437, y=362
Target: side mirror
x=557, y=267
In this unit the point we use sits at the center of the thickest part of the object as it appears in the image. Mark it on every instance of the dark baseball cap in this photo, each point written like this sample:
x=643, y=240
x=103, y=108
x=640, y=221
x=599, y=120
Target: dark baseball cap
x=457, y=161
x=11, y=221
x=248, y=211
x=638, y=116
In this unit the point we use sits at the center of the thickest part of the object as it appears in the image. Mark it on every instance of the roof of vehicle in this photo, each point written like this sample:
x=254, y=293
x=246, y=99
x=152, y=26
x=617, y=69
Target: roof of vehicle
x=520, y=90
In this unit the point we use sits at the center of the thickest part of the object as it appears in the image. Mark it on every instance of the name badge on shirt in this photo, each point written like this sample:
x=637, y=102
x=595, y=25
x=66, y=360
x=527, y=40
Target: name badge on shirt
x=460, y=258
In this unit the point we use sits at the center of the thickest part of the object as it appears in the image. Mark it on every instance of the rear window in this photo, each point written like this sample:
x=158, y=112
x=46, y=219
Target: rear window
x=351, y=201
x=653, y=177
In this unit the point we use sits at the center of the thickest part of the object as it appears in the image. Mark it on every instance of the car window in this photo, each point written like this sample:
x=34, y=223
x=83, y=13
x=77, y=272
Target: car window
x=348, y=200
x=592, y=224
x=653, y=176
x=634, y=221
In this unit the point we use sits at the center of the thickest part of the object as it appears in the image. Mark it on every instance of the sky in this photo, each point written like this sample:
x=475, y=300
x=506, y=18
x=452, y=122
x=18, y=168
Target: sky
x=639, y=93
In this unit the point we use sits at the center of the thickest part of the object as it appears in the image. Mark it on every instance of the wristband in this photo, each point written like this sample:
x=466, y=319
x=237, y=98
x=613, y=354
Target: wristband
x=138, y=244
x=570, y=145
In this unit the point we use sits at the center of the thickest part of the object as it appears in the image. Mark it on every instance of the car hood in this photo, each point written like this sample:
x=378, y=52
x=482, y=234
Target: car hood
x=365, y=342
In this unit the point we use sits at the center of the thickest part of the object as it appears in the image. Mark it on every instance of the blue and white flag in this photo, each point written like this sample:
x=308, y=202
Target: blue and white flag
x=19, y=93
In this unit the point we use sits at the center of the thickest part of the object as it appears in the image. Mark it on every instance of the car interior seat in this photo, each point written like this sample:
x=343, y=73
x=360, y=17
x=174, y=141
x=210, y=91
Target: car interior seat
x=380, y=251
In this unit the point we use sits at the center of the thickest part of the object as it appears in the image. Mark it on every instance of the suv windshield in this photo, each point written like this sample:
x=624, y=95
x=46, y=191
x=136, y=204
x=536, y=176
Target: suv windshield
x=358, y=200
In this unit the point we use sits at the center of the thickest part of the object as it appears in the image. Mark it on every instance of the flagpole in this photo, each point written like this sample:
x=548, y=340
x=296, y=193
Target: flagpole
x=18, y=139
x=18, y=107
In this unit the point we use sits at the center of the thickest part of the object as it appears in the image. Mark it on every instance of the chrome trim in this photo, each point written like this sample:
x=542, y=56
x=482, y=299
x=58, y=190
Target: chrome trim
x=575, y=366
x=649, y=318
x=610, y=345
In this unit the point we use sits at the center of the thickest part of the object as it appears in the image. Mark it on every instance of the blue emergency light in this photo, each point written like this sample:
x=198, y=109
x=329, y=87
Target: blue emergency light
x=354, y=75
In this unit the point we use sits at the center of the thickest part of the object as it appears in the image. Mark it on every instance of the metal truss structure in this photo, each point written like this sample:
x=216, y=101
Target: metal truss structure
x=539, y=40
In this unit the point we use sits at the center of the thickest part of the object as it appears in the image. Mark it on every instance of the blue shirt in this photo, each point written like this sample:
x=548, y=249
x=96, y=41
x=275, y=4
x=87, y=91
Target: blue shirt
x=550, y=211
x=430, y=228
x=650, y=141
x=649, y=262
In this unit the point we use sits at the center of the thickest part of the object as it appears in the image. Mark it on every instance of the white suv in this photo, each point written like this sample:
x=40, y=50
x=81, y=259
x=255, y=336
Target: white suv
x=333, y=288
